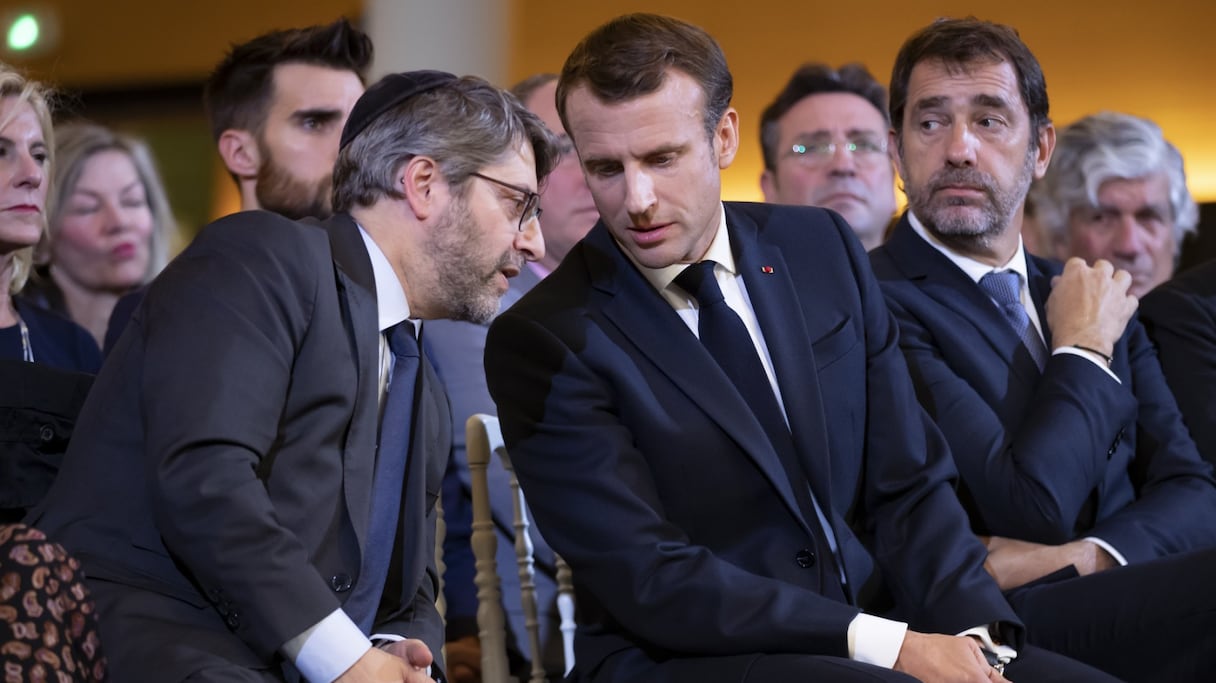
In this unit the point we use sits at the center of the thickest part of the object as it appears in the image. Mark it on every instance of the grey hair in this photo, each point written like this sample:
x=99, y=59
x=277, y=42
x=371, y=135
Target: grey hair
x=1109, y=146
x=463, y=126
x=79, y=141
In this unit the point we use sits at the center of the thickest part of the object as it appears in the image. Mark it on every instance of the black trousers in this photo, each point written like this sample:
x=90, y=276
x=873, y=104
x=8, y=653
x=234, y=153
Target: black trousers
x=1154, y=621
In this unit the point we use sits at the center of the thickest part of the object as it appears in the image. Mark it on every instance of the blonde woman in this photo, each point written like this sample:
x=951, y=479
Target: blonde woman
x=109, y=224
x=26, y=147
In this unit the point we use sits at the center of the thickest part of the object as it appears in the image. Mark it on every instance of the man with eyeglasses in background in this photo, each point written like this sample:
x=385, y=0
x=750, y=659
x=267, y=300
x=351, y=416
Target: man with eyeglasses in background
x=824, y=140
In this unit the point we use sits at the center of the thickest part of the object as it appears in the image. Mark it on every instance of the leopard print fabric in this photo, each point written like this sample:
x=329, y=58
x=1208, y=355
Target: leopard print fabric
x=48, y=629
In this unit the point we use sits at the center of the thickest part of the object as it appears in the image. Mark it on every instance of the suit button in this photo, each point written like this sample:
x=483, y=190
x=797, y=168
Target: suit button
x=233, y=620
x=805, y=558
x=340, y=582
x=46, y=433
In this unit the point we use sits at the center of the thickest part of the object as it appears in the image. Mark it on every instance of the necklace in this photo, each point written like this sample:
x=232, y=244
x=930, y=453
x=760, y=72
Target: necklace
x=27, y=350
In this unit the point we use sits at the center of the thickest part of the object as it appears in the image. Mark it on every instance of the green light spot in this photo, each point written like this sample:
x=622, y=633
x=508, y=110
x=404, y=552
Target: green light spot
x=23, y=33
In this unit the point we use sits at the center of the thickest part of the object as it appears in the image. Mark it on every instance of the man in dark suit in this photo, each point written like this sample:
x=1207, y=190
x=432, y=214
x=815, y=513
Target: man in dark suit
x=1180, y=317
x=1072, y=455
x=241, y=509
x=731, y=512
x=457, y=347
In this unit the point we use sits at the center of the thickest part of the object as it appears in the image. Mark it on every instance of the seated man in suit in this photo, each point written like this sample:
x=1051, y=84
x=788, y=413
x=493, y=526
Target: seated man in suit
x=729, y=454
x=1116, y=190
x=1180, y=317
x=242, y=510
x=1072, y=455
x=456, y=348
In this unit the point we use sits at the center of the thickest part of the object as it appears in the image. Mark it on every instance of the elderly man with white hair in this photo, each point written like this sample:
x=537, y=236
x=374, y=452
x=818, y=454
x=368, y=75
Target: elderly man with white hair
x=1116, y=190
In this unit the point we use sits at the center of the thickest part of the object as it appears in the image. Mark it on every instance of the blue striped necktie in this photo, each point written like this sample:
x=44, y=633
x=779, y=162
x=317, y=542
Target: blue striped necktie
x=1005, y=287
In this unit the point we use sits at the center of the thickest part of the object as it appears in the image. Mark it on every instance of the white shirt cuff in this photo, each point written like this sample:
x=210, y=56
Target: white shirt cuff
x=1110, y=549
x=1093, y=358
x=330, y=647
x=985, y=635
x=874, y=640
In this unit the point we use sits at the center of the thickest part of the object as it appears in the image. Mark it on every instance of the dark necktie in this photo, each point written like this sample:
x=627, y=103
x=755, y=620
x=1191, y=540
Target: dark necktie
x=389, y=476
x=723, y=333
x=1005, y=287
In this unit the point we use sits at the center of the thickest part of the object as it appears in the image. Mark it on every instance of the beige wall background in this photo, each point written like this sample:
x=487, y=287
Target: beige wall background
x=1151, y=59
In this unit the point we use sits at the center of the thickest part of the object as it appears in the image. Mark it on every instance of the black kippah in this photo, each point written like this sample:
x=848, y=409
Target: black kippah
x=387, y=93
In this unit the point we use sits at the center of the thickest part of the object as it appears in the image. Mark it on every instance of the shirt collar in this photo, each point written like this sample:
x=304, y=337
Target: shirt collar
x=719, y=251
x=390, y=297
x=973, y=268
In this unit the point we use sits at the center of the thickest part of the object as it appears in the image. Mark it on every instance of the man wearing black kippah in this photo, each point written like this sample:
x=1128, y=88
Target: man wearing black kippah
x=259, y=504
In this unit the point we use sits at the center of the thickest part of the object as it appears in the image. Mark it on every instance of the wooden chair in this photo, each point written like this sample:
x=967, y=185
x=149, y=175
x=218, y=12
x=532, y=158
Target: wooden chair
x=483, y=439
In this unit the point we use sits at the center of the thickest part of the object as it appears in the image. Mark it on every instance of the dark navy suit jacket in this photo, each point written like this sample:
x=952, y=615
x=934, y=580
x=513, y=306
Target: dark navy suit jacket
x=652, y=477
x=1180, y=316
x=1047, y=457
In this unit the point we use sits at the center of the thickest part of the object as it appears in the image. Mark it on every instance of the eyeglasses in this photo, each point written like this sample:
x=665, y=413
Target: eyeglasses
x=864, y=150
x=529, y=206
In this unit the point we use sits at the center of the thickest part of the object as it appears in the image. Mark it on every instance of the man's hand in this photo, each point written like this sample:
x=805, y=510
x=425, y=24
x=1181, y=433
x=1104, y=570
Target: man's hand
x=463, y=659
x=1089, y=306
x=1015, y=563
x=402, y=662
x=934, y=658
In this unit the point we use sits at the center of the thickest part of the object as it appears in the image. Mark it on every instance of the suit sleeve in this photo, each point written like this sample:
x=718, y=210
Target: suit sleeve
x=1183, y=326
x=1031, y=463
x=221, y=335
x=591, y=490
x=929, y=558
x=1175, y=506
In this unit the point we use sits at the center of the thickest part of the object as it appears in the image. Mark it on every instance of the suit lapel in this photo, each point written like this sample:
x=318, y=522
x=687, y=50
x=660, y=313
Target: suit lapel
x=775, y=302
x=357, y=295
x=650, y=323
x=950, y=287
x=1039, y=273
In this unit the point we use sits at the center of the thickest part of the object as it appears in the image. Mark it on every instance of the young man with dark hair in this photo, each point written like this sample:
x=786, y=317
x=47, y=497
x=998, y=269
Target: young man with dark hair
x=276, y=106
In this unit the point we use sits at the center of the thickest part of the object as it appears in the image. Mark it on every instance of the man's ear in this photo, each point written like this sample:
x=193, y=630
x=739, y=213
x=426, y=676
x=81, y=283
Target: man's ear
x=768, y=185
x=726, y=138
x=239, y=150
x=424, y=189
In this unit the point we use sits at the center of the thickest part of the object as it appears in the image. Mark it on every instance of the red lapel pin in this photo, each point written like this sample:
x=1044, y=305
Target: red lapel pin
x=767, y=270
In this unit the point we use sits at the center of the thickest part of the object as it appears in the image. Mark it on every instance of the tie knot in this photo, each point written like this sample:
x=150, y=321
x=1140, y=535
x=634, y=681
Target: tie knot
x=698, y=280
x=401, y=339
x=1004, y=286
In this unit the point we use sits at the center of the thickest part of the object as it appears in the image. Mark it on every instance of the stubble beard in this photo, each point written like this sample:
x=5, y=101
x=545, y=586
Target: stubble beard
x=960, y=231
x=462, y=288
x=279, y=191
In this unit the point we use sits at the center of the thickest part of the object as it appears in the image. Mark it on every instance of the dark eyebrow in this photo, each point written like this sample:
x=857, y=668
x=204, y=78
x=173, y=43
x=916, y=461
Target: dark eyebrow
x=934, y=102
x=324, y=115
x=665, y=149
x=990, y=101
